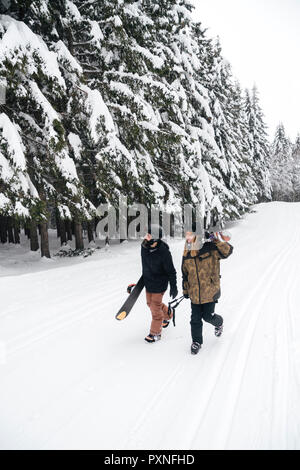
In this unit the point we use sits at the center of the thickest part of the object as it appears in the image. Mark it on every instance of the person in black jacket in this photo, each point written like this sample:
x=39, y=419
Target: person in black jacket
x=158, y=271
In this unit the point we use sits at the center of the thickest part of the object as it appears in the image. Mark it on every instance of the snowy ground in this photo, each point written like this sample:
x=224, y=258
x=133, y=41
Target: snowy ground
x=74, y=377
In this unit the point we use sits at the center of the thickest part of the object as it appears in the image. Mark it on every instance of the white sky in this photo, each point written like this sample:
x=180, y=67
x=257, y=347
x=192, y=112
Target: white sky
x=261, y=40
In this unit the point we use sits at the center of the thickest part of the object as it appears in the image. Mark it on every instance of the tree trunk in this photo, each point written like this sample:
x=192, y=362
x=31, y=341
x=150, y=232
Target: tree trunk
x=34, y=240
x=10, y=232
x=16, y=228
x=78, y=236
x=45, y=251
x=57, y=220
x=69, y=229
x=27, y=230
x=62, y=231
x=3, y=229
x=90, y=232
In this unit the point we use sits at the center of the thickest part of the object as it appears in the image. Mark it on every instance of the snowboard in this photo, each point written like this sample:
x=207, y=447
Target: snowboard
x=131, y=299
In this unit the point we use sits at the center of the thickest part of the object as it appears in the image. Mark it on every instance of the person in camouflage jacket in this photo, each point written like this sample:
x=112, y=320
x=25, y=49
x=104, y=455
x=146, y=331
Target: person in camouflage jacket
x=201, y=281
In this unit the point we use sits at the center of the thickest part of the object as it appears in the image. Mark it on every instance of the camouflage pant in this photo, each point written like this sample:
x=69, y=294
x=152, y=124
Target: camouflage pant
x=203, y=312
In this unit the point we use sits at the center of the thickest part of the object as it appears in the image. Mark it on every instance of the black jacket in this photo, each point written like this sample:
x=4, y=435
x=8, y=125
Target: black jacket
x=158, y=268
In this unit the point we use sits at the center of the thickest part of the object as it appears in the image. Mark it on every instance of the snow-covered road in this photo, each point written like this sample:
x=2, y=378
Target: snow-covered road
x=73, y=377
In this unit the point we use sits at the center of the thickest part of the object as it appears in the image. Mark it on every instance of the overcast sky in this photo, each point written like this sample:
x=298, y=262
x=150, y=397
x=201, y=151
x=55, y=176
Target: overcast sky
x=261, y=40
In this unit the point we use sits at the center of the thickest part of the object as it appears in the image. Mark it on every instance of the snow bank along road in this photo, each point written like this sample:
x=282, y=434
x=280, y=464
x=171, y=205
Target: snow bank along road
x=74, y=377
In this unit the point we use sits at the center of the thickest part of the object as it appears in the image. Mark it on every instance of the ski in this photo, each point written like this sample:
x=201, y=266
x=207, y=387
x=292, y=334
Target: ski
x=131, y=299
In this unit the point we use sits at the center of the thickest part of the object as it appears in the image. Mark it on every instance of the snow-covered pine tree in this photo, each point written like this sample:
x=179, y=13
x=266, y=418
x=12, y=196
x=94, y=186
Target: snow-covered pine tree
x=125, y=73
x=244, y=184
x=166, y=108
x=281, y=162
x=35, y=101
x=124, y=96
x=296, y=169
x=230, y=130
x=258, y=142
x=17, y=192
x=176, y=37
x=84, y=113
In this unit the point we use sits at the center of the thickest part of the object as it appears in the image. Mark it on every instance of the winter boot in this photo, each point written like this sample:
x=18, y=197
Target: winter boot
x=195, y=348
x=219, y=330
x=152, y=338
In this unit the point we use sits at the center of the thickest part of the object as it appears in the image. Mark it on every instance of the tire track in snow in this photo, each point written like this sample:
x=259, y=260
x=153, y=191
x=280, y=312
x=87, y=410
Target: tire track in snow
x=284, y=370
x=52, y=326
x=133, y=441
x=214, y=361
x=280, y=383
x=214, y=378
x=267, y=279
x=294, y=363
x=243, y=347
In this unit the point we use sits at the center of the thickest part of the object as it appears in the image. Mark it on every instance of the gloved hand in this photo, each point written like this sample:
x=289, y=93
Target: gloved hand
x=130, y=287
x=213, y=236
x=224, y=236
x=186, y=296
x=173, y=292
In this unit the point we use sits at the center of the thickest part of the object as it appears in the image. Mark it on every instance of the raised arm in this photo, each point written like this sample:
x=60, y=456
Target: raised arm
x=224, y=249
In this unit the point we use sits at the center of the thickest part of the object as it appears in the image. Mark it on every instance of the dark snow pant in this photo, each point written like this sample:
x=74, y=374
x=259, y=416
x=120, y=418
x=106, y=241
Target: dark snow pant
x=203, y=312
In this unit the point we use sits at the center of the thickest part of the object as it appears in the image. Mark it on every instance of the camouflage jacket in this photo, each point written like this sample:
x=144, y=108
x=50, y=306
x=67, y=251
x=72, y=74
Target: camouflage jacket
x=201, y=271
